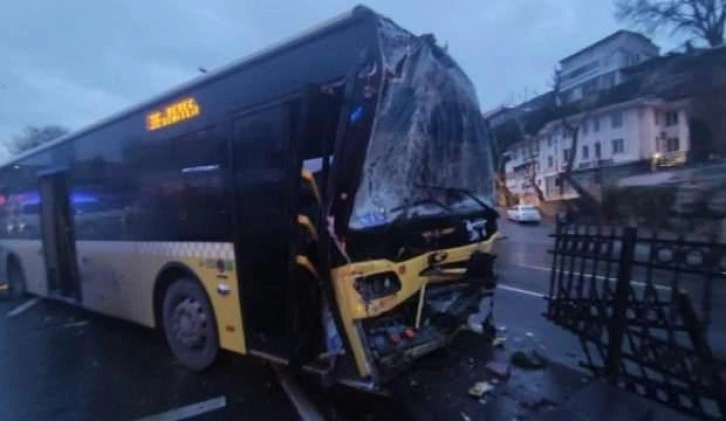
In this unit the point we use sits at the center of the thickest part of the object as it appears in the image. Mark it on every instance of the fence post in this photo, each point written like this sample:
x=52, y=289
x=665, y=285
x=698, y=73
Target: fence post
x=619, y=319
x=702, y=349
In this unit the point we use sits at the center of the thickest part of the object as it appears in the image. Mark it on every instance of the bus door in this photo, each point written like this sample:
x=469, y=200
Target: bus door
x=262, y=156
x=319, y=115
x=59, y=246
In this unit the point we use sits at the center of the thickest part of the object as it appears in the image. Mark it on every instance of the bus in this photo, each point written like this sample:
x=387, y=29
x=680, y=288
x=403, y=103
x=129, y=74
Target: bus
x=323, y=204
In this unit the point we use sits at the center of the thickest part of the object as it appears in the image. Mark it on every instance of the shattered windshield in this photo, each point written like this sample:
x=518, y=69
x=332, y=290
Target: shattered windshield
x=428, y=137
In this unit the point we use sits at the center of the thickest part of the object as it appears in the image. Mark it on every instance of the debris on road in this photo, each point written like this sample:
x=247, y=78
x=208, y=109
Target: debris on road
x=498, y=342
x=479, y=389
x=465, y=417
x=80, y=323
x=501, y=371
x=539, y=404
x=532, y=360
x=475, y=327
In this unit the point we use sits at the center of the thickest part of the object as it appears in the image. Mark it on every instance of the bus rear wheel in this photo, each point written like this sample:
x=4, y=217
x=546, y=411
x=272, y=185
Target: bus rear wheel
x=16, y=279
x=189, y=324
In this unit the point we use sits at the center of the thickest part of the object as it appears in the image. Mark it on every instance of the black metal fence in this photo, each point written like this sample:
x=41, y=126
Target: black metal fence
x=630, y=299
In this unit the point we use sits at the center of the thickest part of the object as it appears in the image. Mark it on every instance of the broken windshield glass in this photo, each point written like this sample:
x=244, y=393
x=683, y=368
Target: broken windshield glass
x=428, y=132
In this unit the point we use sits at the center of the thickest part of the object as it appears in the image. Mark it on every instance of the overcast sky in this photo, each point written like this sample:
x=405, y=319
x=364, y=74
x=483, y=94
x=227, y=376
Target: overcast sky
x=72, y=62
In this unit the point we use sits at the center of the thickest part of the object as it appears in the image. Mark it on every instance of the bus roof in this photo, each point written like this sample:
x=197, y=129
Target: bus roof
x=305, y=36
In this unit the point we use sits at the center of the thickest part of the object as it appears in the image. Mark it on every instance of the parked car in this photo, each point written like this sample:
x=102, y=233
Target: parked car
x=524, y=213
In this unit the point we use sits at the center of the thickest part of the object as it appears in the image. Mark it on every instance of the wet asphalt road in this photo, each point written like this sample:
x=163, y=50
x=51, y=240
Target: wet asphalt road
x=58, y=362
x=62, y=363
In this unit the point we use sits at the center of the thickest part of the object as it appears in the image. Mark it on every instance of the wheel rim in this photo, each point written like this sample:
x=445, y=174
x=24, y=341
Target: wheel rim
x=189, y=323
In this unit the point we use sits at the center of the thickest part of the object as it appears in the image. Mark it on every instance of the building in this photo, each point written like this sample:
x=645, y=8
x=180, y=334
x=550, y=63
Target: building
x=599, y=66
x=595, y=68
x=614, y=141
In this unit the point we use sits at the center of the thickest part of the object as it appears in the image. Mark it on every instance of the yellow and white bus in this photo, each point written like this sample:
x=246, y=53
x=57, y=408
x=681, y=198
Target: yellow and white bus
x=323, y=203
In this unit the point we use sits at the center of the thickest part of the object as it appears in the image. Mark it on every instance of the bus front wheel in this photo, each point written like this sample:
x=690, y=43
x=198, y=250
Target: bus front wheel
x=189, y=324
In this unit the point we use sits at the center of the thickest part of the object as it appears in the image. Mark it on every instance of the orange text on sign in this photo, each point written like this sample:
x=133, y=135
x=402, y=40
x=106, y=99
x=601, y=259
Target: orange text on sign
x=173, y=113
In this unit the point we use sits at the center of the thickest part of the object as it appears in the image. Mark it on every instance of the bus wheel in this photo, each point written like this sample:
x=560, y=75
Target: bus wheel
x=16, y=279
x=189, y=324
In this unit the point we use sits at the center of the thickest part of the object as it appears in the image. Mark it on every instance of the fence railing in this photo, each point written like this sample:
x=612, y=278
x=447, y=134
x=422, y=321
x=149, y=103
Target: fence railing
x=629, y=299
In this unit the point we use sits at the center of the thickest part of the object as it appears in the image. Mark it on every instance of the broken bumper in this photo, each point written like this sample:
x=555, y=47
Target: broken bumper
x=434, y=295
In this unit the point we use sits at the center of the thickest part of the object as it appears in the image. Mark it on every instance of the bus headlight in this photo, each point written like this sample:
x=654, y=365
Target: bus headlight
x=378, y=285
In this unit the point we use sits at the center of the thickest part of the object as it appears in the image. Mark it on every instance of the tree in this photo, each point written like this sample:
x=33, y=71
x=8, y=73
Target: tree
x=704, y=19
x=571, y=119
x=34, y=136
x=531, y=151
x=499, y=162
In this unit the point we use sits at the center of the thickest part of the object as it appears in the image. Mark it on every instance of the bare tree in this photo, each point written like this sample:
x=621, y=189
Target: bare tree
x=530, y=152
x=499, y=162
x=34, y=136
x=704, y=19
x=571, y=120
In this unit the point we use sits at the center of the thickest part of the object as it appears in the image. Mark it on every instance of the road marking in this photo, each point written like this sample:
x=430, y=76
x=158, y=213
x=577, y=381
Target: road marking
x=519, y=290
x=22, y=307
x=304, y=407
x=189, y=411
x=611, y=279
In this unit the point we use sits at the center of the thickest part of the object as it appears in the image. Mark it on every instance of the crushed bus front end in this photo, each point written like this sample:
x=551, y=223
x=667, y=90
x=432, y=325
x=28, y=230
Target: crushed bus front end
x=400, y=310
x=414, y=240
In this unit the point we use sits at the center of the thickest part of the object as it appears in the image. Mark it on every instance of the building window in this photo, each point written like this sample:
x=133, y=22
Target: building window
x=584, y=126
x=607, y=81
x=616, y=118
x=596, y=124
x=566, y=154
x=589, y=87
x=618, y=146
x=550, y=161
x=673, y=144
x=598, y=150
x=549, y=140
x=656, y=116
x=671, y=118
x=585, y=152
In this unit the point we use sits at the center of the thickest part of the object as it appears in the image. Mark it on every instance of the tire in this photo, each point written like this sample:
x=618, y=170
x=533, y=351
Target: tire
x=189, y=324
x=16, y=280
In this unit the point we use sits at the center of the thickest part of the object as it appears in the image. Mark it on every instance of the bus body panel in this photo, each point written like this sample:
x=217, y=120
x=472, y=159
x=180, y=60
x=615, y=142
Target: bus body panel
x=29, y=253
x=143, y=199
x=118, y=278
x=167, y=183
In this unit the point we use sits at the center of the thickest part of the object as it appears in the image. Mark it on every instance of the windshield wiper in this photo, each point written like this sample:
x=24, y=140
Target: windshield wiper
x=428, y=200
x=462, y=191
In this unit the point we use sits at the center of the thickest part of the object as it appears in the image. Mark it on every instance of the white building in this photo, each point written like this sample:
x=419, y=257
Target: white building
x=613, y=142
x=599, y=66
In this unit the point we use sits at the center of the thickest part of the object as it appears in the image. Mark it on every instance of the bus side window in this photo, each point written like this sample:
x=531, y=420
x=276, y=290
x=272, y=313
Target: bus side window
x=202, y=210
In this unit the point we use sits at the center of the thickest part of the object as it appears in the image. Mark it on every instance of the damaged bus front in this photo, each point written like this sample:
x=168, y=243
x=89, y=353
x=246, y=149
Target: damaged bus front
x=410, y=216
